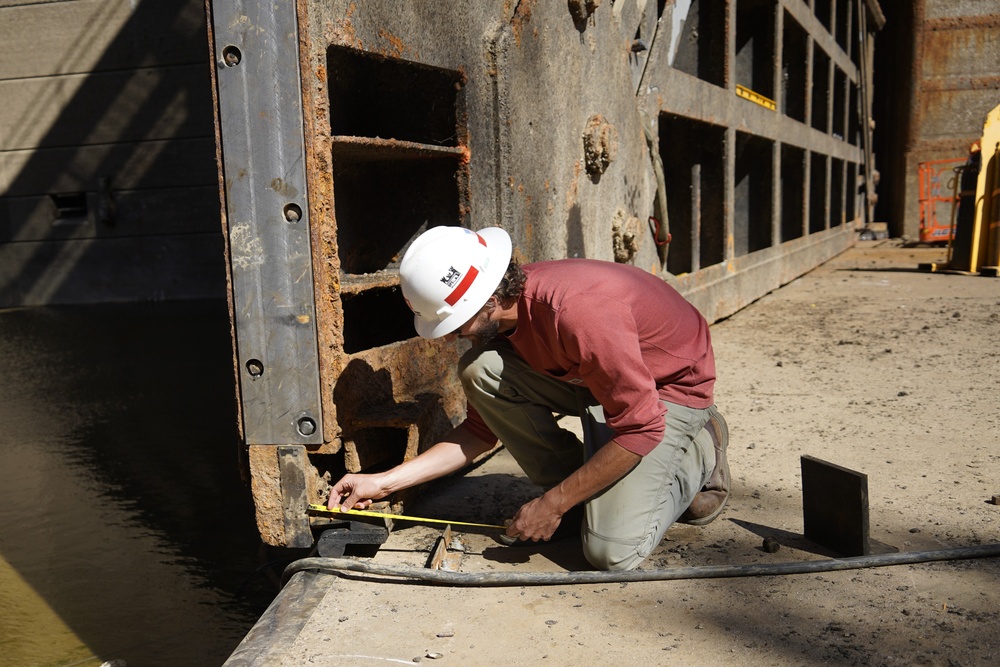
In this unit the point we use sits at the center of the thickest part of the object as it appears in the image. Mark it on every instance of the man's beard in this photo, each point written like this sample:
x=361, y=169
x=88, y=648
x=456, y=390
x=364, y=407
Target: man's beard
x=485, y=334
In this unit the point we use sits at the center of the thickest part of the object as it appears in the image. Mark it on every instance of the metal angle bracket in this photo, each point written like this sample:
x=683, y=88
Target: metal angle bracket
x=344, y=535
x=447, y=553
x=263, y=159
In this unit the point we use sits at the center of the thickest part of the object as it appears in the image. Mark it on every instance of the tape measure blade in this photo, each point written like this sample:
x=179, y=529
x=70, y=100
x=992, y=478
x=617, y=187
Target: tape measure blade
x=401, y=517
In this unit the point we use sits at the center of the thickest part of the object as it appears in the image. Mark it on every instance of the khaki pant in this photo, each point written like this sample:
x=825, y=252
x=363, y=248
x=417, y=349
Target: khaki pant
x=626, y=521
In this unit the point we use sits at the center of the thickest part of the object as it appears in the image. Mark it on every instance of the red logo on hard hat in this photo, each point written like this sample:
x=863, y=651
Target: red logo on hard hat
x=463, y=287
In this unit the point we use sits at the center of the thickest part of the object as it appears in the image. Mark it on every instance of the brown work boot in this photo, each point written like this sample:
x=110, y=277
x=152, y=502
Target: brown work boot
x=711, y=500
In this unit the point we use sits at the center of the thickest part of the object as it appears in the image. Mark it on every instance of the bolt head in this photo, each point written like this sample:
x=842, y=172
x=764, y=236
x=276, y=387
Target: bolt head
x=306, y=426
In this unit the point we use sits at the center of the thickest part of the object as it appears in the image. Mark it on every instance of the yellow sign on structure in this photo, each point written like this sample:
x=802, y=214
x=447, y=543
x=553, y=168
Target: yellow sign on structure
x=757, y=98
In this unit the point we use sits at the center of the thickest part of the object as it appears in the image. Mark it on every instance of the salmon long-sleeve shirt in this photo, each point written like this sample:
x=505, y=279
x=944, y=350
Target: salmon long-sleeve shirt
x=623, y=333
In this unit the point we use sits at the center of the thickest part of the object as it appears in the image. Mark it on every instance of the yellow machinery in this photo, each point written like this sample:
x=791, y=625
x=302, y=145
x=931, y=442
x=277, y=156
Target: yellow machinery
x=976, y=245
x=988, y=198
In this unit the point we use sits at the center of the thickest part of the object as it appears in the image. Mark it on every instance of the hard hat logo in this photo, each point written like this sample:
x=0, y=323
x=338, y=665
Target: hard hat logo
x=441, y=293
x=463, y=287
x=452, y=276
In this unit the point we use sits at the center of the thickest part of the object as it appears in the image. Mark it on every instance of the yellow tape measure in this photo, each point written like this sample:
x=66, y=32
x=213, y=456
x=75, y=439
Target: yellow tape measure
x=336, y=510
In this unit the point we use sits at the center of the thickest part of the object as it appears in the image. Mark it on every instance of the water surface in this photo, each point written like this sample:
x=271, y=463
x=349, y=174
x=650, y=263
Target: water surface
x=126, y=529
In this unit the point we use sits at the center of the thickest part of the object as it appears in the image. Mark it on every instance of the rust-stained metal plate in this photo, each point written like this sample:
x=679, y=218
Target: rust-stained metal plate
x=260, y=121
x=294, y=496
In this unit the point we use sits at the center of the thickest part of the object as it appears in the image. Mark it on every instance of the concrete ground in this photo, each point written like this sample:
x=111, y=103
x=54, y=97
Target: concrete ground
x=866, y=362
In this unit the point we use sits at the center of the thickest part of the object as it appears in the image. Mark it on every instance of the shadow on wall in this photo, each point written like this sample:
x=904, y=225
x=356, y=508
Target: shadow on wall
x=378, y=431
x=107, y=153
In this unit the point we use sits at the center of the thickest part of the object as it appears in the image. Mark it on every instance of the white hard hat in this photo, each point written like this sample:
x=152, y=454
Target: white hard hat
x=449, y=273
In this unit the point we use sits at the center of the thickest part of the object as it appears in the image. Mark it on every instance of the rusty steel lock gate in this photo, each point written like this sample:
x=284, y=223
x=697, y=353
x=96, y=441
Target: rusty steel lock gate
x=719, y=145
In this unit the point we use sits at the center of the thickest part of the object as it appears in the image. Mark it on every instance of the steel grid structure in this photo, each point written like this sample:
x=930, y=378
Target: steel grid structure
x=725, y=146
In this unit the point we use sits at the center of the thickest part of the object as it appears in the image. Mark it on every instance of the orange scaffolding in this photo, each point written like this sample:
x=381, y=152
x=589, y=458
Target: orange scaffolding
x=938, y=184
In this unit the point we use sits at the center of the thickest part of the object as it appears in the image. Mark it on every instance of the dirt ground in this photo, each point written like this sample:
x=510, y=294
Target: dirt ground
x=866, y=362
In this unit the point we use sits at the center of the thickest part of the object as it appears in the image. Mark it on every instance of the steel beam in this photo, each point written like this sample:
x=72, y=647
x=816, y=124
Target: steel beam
x=263, y=159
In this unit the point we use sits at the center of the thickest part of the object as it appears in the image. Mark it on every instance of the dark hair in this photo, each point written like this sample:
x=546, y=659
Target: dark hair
x=512, y=285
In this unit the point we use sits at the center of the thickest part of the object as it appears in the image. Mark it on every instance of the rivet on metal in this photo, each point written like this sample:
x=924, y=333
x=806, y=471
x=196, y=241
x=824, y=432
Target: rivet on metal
x=231, y=56
x=255, y=368
x=293, y=213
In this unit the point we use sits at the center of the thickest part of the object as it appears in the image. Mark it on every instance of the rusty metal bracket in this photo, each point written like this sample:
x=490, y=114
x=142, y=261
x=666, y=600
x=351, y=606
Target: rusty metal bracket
x=263, y=160
x=447, y=553
x=292, y=461
x=335, y=541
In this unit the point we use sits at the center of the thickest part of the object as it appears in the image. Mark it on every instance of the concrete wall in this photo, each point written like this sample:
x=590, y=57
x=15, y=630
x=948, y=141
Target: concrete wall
x=108, y=181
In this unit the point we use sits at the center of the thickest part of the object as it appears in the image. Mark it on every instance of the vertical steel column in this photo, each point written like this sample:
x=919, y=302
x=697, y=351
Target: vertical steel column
x=833, y=21
x=263, y=156
x=729, y=145
x=776, y=195
x=850, y=176
x=807, y=158
x=863, y=100
x=831, y=95
x=695, y=217
x=779, y=95
x=806, y=189
x=831, y=68
x=729, y=194
x=828, y=178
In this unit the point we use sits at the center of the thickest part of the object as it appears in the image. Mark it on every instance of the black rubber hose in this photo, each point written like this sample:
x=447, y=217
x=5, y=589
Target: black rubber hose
x=486, y=579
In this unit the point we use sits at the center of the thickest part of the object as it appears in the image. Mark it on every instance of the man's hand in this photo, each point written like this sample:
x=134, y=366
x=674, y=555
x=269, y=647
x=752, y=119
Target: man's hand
x=360, y=491
x=536, y=520
x=459, y=448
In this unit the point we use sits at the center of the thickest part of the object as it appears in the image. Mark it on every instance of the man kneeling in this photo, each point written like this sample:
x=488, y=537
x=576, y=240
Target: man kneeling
x=608, y=342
